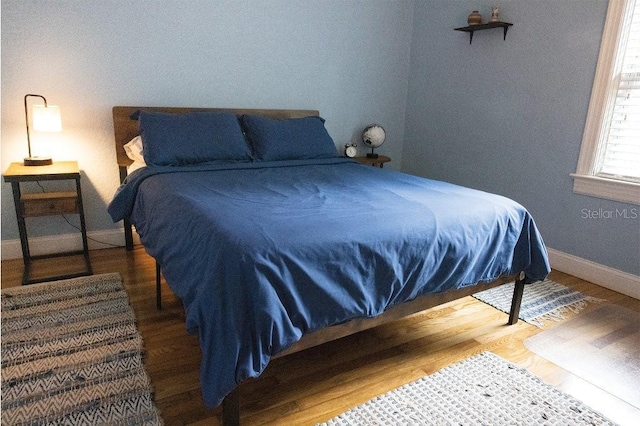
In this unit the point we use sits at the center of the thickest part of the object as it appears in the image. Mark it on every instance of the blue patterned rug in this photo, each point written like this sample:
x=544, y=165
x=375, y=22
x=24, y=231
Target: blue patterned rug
x=71, y=354
x=546, y=300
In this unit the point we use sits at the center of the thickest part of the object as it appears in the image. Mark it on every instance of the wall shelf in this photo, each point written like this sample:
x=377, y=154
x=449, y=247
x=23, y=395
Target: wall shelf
x=471, y=28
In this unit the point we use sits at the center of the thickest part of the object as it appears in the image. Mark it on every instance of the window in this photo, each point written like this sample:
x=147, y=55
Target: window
x=609, y=163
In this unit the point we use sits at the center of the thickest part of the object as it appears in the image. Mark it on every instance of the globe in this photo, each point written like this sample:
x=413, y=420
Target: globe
x=373, y=136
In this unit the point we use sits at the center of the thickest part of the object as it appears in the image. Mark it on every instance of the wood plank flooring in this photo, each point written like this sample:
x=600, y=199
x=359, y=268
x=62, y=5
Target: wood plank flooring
x=317, y=384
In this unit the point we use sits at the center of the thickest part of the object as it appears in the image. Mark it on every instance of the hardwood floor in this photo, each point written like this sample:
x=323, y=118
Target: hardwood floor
x=317, y=384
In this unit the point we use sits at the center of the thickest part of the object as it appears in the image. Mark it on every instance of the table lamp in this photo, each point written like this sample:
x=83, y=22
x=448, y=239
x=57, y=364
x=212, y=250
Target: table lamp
x=46, y=118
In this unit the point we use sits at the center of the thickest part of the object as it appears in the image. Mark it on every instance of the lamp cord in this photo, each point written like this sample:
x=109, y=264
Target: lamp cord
x=77, y=227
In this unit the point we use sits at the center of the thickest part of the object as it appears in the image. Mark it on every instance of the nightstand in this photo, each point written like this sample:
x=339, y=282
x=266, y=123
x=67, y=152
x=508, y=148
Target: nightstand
x=375, y=162
x=47, y=204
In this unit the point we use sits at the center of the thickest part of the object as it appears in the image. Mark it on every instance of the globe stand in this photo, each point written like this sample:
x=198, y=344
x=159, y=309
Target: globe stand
x=372, y=154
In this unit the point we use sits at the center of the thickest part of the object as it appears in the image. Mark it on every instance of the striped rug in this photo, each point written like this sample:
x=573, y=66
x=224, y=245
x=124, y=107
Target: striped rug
x=546, y=300
x=71, y=354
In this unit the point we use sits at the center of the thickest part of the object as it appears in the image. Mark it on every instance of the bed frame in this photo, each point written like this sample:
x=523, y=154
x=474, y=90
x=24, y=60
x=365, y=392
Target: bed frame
x=126, y=128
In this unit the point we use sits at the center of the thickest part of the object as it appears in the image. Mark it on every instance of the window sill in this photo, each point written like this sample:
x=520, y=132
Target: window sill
x=610, y=189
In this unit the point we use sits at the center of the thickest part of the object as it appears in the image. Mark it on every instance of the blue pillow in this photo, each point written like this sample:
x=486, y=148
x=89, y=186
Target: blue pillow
x=289, y=139
x=191, y=138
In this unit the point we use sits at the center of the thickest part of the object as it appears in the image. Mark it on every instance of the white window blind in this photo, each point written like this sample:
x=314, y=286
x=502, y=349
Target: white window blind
x=619, y=153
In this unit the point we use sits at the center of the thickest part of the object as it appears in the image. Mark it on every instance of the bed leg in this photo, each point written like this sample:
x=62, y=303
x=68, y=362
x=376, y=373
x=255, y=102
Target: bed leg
x=518, y=289
x=231, y=409
x=158, y=287
x=128, y=235
x=128, y=230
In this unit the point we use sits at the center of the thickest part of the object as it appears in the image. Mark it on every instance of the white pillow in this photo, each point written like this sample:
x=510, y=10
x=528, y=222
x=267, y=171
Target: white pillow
x=133, y=148
x=134, y=151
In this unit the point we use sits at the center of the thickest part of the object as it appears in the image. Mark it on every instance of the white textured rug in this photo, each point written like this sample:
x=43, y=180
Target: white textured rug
x=481, y=390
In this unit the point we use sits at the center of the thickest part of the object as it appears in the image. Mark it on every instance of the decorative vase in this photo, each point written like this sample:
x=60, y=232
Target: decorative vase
x=475, y=18
x=495, y=12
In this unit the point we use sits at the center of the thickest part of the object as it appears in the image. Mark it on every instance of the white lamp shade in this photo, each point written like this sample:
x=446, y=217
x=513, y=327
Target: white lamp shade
x=46, y=118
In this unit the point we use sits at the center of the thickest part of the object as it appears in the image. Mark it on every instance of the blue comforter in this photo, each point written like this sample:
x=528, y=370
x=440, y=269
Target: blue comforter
x=262, y=253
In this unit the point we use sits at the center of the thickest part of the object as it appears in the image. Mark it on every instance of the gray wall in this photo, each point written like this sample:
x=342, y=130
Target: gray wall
x=503, y=116
x=348, y=59
x=508, y=116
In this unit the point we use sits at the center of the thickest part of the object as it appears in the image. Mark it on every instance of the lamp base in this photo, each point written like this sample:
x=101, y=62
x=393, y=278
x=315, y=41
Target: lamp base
x=38, y=161
x=372, y=155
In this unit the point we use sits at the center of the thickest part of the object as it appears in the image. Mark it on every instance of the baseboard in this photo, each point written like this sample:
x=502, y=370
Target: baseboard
x=11, y=249
x=604, y=276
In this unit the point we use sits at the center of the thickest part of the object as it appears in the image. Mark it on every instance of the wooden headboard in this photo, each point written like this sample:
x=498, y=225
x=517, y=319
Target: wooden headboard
x=126, y=128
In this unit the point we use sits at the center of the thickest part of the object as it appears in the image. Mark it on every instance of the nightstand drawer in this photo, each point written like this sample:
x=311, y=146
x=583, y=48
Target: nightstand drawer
x=49, y=203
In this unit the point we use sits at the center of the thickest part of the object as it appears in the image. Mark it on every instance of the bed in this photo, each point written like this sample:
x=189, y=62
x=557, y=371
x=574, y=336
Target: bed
x=275, y=243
